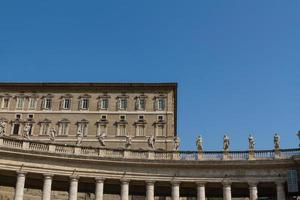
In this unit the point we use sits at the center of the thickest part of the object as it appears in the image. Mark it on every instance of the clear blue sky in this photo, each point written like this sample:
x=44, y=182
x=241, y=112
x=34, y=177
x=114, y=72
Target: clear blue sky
x=237, y=62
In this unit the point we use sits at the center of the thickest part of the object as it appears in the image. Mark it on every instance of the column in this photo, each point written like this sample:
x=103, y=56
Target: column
x=19, y=192
x=124, y=189
x=150, y=190
x=226, y=190
x=200, y=191
x=253, y=190
x=73, y=187
x=175, y=190
x=47, y=187
x=99, y=188
x=280, y=190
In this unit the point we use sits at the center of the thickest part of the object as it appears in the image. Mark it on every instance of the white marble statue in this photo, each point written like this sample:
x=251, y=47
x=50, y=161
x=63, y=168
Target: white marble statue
x=199, y=143
x=276, y=141
x=176, y=143
x=226, y=143
x=101, y=138
x=26, y=131
x=52, y=134
x=151, y=142
x=251, y=142
x=79, y=137
x=128, y=142
x=2, y=127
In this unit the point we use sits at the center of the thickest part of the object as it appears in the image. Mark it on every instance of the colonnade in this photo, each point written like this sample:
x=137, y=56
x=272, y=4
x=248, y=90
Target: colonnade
x=99, y=189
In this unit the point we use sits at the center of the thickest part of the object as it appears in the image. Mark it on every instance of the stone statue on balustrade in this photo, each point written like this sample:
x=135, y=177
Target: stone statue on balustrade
x=276, y=141
x=2, y=128
x=151, y=142
x=226, y=143
x=79, y=137
x=26, y=131
x=52, y=134
x=298, y=136
x=101, y=138
x=251, y=142
x=128, y=142
x=176, y=143
x=199, y=143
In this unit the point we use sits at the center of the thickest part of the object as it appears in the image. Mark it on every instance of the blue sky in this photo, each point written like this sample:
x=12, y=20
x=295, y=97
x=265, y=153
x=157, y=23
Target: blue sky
x=237, y=62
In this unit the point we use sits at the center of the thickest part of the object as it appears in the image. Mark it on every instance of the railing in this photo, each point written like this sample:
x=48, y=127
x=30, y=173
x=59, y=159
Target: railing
x=35, y=146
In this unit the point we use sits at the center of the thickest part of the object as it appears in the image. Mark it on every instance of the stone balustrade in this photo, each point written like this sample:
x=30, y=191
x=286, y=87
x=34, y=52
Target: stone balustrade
x=9, y=142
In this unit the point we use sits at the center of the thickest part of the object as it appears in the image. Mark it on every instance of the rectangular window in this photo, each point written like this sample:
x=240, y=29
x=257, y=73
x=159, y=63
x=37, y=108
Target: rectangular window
x=161, y=104
x=104, y=104
x=122, y=130
x=103, y=117
x=83, y=128
x=5, y=103
x=141, y=104
x=122, y=117
x=102, y=129
x=141, y=117
x=160, y=118
x=32, y=103
x=20, y=103
x=140, y=130
x=16, y=128
x=84, y=104
x=160, y=130
x=66, y=104
x=63, y=129
x=47, y=103
x=122, y=104
x=44, y=129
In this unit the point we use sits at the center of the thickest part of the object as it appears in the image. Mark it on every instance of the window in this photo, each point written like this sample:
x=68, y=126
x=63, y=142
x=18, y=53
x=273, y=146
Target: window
x=63, y=128
x=66, y=104
x=18, y=116
x=160, y=118
x=30, y=116
x=141, y=118
x=140, y=130
x=82, y=127
x=159, y=130
x=84, y=104
x=16, y=128
x=121, y=130
x=5, y=103
x=140, y=104
x=122, y=103
x=20, y=103
x=102, y=129
x=103, y=104
x=32, y=103
x=47, y=104
x=161, y=104
x=103, y=117
x=44, y=129
x=122, y=117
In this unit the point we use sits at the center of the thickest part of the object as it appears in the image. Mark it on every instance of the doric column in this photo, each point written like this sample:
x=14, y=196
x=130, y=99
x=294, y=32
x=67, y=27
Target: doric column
x=47, y=187
x=280, y=190
x=124, y=189
x=150, y=190
x=99, y=188
x=226, y=190
x=175, y=190
x=73, y=187
x=200, y=191
x=253, y=190
x=19, y=192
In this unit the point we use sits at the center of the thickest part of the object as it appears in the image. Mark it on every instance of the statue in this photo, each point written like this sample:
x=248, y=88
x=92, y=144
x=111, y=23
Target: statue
x=251, y=142
x=226, y=143
x=298, y=136
x=176, y=143
x=52, y=134
x=2, y=128
x=101, y=137
x=151, y=142
x=199, y=143
x=128, y=142
x=26, y=131
x=276, y=141
x=79, y=137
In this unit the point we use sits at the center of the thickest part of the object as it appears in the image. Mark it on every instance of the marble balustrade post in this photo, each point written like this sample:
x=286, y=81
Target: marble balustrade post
x=47, y=187
x=19, y=192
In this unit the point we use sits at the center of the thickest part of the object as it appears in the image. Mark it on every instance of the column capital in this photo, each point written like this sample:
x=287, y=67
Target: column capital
x=175, y=182
x=150, y=182
x=226, y=183
x=48, y=175
x=74, y=178
x=21, y=173
x=99, y=179
x=201, y=183
x=253, y=183
x=280, y=182
x=124, y=181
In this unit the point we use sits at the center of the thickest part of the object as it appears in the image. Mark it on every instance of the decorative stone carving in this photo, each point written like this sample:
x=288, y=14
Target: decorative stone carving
x=251, y=142
x=52, y=134
x=276, y=141
x=128, y=142
x=176, y=143
x=2, y=127
x=199, y=143
x=226, y=143
x=101, y=138
x=151, y=142
x=26, y=131
x=79, y=137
